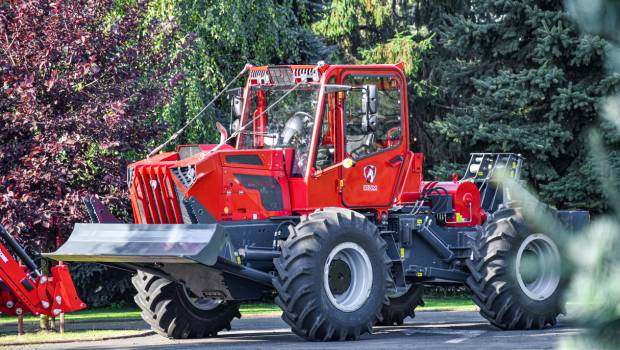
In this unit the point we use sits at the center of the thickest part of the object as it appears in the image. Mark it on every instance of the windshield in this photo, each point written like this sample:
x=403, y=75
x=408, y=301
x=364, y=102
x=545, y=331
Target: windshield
x=283, y=124
x=287, y=124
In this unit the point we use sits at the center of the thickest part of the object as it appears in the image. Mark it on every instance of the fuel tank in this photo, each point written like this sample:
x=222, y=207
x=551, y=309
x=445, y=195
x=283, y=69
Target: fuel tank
x=466, y=210
x=195, y=185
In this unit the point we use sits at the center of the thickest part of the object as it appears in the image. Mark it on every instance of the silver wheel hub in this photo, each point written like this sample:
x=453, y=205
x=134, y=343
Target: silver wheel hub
x=202, y=303
x=538, y=267
x=347, y=276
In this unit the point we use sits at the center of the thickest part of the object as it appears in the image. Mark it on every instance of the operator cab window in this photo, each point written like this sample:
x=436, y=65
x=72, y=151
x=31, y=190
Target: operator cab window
x=326, y=146
x=287, y=124
x=373, y=114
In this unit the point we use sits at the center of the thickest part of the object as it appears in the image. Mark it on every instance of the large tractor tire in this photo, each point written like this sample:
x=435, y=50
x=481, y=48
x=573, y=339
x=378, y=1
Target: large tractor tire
x=174, y=312
x=516, y=273
x=402, y=306
x=332, y=276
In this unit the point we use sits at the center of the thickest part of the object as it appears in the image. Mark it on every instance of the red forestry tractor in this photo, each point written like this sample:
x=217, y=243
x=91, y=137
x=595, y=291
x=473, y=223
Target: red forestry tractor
x=316, y=200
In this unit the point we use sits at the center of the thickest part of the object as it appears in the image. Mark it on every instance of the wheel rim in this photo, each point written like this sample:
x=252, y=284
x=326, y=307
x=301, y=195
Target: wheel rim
x=538, y=267
x=201, y=303
x=347, y=277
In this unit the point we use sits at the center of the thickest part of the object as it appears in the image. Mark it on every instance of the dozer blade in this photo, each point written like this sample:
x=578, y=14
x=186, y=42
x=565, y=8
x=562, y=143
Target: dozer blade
x=133, y=243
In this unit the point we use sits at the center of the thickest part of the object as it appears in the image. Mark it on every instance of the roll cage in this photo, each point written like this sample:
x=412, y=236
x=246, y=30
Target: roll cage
x=331, y=84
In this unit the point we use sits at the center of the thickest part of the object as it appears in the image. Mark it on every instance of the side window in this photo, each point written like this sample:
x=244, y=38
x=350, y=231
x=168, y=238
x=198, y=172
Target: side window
x=326, y=146
x=373, y=114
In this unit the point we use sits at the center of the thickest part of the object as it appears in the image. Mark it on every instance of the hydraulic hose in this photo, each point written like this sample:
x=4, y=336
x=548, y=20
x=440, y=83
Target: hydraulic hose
x=19, y=251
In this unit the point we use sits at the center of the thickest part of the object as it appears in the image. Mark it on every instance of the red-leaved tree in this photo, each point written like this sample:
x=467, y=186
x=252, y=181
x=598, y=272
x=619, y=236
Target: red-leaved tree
x=79, y=87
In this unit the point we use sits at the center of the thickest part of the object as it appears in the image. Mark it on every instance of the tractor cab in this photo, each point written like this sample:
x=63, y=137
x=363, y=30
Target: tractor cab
x=336, y=125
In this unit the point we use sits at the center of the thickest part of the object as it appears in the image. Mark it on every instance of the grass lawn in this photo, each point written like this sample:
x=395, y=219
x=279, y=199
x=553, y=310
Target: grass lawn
x=69, y=335
x=91, y=314
x=431, y=304
x=448, y=303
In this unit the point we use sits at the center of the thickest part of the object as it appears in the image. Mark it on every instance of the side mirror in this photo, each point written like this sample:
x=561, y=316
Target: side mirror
x=237, y=102
x=369, y=107
x=369, y=99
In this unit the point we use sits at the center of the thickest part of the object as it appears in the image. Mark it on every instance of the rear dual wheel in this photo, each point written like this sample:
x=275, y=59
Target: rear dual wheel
x=175, y=312
x=332, y=276
x=516, y=273
x=402, y=306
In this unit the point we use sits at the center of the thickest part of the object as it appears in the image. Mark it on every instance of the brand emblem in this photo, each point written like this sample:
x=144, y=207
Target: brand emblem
x=153, y=184
x=370, y=172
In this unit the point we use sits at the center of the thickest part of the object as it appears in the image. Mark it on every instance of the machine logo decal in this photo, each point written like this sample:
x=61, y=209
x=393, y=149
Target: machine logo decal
x=154, y=184
x=370, y=172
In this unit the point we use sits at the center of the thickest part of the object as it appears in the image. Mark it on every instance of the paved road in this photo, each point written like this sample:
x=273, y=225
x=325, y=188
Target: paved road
x=429, y=330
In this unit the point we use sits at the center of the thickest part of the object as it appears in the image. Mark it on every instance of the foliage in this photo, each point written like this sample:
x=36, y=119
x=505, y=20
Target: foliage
x=525, y=80
x=595, y=286
x=378, y=31
x=77, y=102
x=375, y=31
x=100, y=286
x=227, y=35
x=78, y=95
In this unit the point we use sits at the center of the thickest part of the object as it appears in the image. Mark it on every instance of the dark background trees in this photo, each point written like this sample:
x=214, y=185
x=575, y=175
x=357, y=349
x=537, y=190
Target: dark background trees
x=528, y=82
x=495, y=76
x=227, y=35
x=81, y=85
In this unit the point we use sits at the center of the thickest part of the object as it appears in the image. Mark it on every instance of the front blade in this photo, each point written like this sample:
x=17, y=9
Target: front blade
x=134, y=243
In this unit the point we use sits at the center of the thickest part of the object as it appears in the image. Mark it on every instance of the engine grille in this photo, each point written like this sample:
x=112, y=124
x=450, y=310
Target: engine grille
x=185, y=174
x=156, y=201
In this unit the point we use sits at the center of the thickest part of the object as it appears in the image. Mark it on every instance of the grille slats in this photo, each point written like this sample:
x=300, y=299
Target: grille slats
x=145, y=210
x=155, y=201
x=150, y=197
x=163, y=193
x=156, y=192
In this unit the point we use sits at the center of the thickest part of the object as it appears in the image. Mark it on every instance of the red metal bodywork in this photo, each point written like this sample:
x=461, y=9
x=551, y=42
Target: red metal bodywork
x=22, y=291
x=398, y=179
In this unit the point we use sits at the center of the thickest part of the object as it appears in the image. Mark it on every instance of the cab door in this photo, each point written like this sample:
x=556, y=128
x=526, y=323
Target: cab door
x=373, y=124
x=324, y=179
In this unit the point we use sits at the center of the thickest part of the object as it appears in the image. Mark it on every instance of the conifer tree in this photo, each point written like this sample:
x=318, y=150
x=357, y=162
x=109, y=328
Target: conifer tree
x=527, y=81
